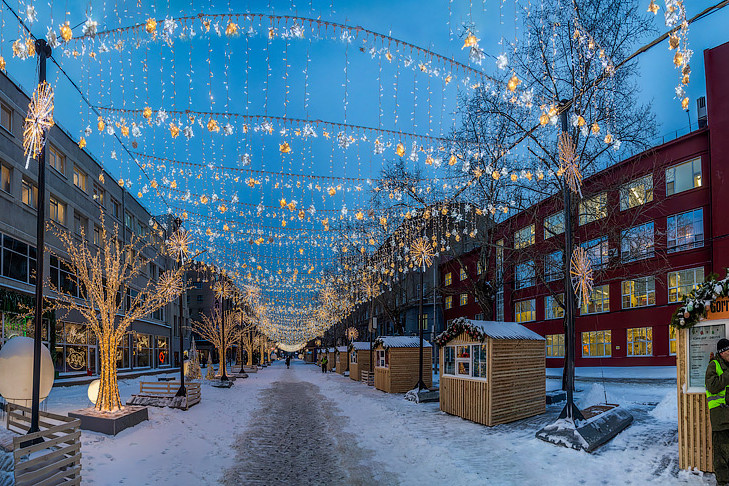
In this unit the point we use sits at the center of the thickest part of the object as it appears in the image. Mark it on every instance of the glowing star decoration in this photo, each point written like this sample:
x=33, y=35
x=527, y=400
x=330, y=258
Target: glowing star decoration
x=452, y=160
x=213, y=125
x=352, y=333
x=38, y=121
x=470, y=41
x=513, y=83
x=422, y=253
x=169, y=285
x=231, y=29
x=400, y=150
x=284, y=148
x=569, y=163
x=581, y=275
x=653, y=8
x=66, y=32
x=174, y=130
x=151, y=26
x=179, y=244
x=147, y=112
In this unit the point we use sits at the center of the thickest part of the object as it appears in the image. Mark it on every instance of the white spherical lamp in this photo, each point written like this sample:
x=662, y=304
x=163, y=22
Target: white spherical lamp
x=16, y=371
x=93, y=392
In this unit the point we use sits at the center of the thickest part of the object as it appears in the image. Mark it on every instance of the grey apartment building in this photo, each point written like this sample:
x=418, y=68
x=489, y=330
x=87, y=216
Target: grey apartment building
x=78, y=191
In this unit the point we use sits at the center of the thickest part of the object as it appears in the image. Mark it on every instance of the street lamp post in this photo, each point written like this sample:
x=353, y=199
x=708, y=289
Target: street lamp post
x=421, y=383
x=44, y=51
x=182, y=391
x=223, y=376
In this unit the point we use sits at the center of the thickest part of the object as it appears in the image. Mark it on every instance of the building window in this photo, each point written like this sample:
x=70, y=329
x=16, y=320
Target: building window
x=6, y=175
x=524, y=274
x=636, y=243
x=449, y=302
x=382, y=359
x=62, y=277
x=553, y=307
x=6, y=120
x=465, y=361
x=115, y=208
x=58, y=210
x=636, y=193
x=672, y=340
x=500, y=305
x=463, y=299
x=463, y=275
x=553, y=225
x=596, y=344
x=685, y=230
x=597, y=251
x=18, y=261
x=599, y=300
x=79, y=178
x=555, y=345
x=640, y=341
x=128, y=220
x=80, y=224
x=448, y=278
x=682, y=282
x=639, y=292
x=683, y=177
x=553, y=264
x=593, y=208
x=499, y=259
x=524, y=311
x=56, y=159
x=29, y=194
x=99, y=194
x=524, y=237
x=97, y=236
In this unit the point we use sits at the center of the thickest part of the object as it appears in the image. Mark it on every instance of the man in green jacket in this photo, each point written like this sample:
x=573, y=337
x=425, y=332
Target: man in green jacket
x=717, y=382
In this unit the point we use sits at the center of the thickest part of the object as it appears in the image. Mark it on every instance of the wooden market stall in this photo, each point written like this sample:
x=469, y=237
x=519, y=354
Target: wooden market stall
x=397, y=363
x=331, y=356
x=695, y=347
x=342, y=360
x=491, y=372
x=359, y=359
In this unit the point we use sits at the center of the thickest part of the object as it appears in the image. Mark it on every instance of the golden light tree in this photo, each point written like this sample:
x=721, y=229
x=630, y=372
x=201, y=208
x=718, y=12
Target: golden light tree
x=104, y=274
x=221, y=336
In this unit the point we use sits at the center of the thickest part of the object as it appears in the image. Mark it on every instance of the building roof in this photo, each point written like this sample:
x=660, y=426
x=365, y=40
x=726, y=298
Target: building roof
x=400, y=342
x=360, y=345
x=342, y=349
x=478, y=330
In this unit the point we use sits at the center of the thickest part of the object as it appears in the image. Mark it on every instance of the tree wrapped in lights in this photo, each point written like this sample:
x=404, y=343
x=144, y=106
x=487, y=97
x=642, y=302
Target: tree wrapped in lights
x=103, y=275
x=221, y=336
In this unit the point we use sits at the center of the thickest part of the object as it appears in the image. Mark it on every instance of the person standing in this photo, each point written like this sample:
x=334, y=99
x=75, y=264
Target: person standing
x=288, y=361
x=324, y=362
x=717, y=382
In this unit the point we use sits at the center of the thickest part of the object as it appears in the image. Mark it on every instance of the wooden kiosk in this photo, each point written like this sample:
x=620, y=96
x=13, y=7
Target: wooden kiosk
x=359, y=358
x=491, y=372
x=341, y=360
x=331, y=356
x=397, y=363
x=695, y=347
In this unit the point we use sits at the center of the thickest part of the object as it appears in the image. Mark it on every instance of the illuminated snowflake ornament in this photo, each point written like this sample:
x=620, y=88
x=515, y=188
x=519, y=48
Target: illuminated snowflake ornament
x=170, y=284
x=422, y=252
x=352, y=333
x=569, y=167
x=38, y=121
x=179, y=244
x=581, y=275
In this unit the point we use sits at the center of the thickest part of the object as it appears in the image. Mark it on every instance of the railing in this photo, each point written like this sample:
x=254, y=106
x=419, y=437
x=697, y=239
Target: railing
x=56, y=460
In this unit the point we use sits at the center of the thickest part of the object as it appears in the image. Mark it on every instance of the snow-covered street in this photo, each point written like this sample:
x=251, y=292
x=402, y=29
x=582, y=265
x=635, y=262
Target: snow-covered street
x=299, y=426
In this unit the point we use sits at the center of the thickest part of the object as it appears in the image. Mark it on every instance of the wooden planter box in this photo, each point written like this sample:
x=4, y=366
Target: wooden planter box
x=402, y=364
x=341, y=360
x=362, y=354
x=514, y=386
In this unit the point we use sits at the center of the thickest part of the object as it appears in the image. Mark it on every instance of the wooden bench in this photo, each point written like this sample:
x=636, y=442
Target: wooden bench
x=56, y=460
x=168, y=389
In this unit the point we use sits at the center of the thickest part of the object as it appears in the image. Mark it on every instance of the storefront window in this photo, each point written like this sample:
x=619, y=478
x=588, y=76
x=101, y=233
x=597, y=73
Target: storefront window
x=143, y=350
x=162, y=352
x=466, y=361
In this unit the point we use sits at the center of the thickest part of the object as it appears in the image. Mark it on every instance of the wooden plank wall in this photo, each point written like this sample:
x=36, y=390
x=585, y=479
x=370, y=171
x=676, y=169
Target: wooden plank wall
x=382, y=379
x=694, y=427
x=363, y=363
x=342, y=362
x=517, y=374
x=515, y=387
x=330, y=360
x=404, y=369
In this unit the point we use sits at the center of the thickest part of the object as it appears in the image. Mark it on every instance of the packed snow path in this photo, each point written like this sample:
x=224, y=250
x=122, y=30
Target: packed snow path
x=296, y=437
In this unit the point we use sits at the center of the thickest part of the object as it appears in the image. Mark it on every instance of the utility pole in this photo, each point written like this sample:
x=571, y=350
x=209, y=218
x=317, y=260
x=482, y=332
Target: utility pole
x=570, y=410
x=44, y=51
x=182, y=392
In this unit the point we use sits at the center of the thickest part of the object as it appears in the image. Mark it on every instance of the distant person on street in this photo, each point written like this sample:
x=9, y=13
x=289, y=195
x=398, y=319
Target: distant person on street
x=717, y=382
x=324, y=362
x=288, y=361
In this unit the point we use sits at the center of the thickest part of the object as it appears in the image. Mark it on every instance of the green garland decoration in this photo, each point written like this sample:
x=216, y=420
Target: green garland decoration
x=458, y=326
x=697, y=303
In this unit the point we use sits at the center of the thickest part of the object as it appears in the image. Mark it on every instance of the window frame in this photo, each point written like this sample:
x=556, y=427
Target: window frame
x=632, y=294
x=550, y=345
x=79, y=178
x=53, y=200
x=604, y=301
x=627, y=253
x=463, y=299
x=671, y=179
x=597, y=243
x=678, y=296
x=584, y=217
x=527, y=280
x=551, y=303
x=448, y=279
x=382, y=359
x=27, y=187
x=4, y=108
x=648, y=192
x=449, y=302
x=548, y=225
x=519, y=239
x=453, y=351
x=518, y=310
x=603, y=333
x=695, y=242
x=631, y=344
x=551, y=275
x=54, y=157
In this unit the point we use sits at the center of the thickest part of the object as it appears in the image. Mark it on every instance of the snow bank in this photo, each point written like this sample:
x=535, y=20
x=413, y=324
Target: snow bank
x=595, y=396
x=667, y=409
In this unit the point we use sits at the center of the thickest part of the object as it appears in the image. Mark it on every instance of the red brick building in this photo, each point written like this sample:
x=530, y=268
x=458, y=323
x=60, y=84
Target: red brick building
x=654, y=226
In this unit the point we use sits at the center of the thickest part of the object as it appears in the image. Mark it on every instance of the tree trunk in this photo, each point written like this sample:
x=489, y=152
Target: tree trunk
x=221, y=353
x=108, y=399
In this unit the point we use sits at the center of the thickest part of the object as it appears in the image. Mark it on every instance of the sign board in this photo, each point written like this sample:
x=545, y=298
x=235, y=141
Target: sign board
x=373, y=324
x=719, y=309
x=702, y=342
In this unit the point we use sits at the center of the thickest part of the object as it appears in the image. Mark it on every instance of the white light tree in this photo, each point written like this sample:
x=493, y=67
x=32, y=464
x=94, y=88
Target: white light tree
x=221, y=336
x=104, y=273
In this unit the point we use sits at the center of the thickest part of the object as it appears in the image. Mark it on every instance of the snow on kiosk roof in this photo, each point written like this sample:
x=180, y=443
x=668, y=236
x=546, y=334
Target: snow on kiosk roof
x=342, y=349
x=360, y=345
x=478, y=330
x=400, y=342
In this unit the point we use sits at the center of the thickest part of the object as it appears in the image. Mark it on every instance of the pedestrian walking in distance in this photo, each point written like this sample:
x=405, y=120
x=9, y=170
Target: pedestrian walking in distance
x=717, y=382
x=324, y=362
x=288, y=361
